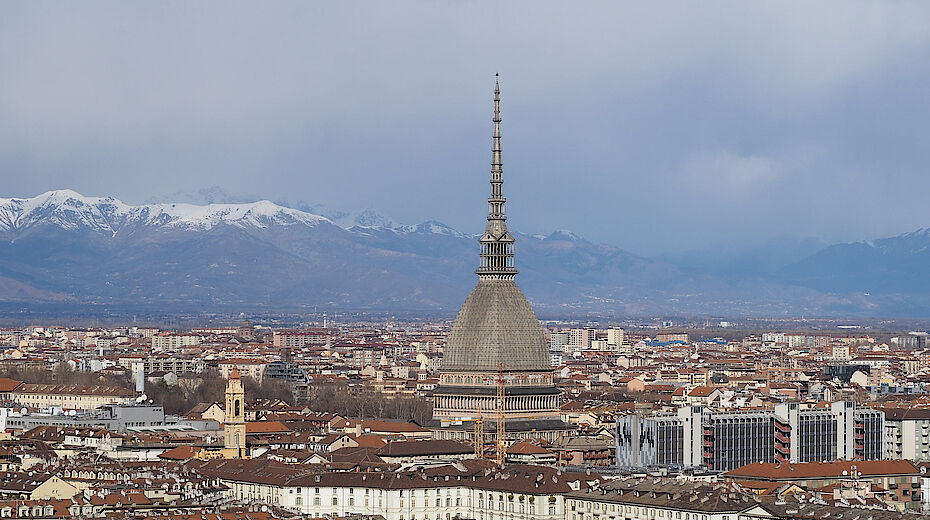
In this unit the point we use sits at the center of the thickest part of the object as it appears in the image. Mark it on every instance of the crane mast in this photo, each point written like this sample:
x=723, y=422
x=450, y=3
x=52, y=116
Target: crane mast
x=479, y=435
x=501, y=417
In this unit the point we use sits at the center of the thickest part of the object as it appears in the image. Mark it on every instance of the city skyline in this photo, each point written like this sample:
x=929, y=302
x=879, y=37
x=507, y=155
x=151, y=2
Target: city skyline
x=204, y=312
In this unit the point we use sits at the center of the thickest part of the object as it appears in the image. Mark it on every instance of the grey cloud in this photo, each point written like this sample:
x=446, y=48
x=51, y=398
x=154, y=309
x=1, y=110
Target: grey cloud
x=655, y=128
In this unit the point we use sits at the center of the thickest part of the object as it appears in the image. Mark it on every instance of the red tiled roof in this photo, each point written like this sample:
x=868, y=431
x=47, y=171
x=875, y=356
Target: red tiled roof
x=526, y=447
x=180, y=453
x=8, y=385
x=265, y=427
x=814, y=470
x=370, y=441
x=701, y=391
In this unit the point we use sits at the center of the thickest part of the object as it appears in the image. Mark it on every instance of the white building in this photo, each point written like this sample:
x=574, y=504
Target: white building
x=467, y=489
x=173, y=341
x=907, y=433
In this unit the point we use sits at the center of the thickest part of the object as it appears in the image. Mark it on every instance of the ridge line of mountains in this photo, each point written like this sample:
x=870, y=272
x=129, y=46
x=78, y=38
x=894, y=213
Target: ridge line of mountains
x=63, y=247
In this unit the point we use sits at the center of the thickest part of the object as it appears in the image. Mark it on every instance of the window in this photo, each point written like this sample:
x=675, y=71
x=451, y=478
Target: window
x=316, y=501
x=299, y=500
x=335, y=501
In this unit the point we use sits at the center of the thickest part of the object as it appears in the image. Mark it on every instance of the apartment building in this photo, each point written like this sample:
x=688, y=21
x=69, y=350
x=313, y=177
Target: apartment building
x=615, y=336
x=300, y=338
x=70, y=397
x=647, y=499
x=253, y=368
x=177, y=365
x=467, y=489
x=907, y=433
x=173, y=340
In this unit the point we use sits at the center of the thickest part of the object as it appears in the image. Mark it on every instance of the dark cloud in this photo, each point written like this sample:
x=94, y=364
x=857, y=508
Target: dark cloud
x=656, y=128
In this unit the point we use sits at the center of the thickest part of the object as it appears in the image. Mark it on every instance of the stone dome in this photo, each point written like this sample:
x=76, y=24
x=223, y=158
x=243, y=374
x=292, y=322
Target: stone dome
x=496, y=325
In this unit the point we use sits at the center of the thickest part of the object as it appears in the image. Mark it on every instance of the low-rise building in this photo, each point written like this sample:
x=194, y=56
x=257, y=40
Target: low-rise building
x=900, y=477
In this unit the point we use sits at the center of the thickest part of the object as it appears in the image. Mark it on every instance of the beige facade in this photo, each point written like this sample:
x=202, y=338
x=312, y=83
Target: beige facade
x=70, y=397
x=234, y=430
x=54, y=488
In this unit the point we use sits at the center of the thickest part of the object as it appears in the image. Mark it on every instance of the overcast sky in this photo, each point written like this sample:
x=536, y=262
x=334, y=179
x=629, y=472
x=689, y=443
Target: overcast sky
x=654, y=127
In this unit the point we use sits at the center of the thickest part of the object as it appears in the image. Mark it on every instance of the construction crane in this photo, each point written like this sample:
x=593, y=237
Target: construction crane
x=501, y=417
x=479, y=435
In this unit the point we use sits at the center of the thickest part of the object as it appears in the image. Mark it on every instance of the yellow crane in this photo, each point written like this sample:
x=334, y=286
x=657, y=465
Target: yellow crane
x=501, y=417
x=479, y=435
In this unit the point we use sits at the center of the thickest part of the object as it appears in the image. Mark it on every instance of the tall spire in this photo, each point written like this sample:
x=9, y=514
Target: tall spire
x=496, y=242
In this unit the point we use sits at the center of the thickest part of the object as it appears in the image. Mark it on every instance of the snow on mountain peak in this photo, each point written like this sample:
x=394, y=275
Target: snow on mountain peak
x=71, y=210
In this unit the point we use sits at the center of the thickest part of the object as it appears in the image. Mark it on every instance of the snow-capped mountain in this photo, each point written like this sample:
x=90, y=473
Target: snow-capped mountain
x=72, y=211
x=63, y=246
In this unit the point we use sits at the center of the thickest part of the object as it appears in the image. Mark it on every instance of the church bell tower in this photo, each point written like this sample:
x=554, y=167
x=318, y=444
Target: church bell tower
x=234, y=428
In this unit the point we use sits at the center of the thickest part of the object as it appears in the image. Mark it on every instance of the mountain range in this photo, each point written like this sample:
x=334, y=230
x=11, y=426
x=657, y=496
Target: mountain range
x=64, y=247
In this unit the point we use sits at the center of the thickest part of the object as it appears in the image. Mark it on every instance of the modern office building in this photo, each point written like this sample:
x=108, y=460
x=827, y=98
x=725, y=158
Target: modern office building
x=720, y=440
